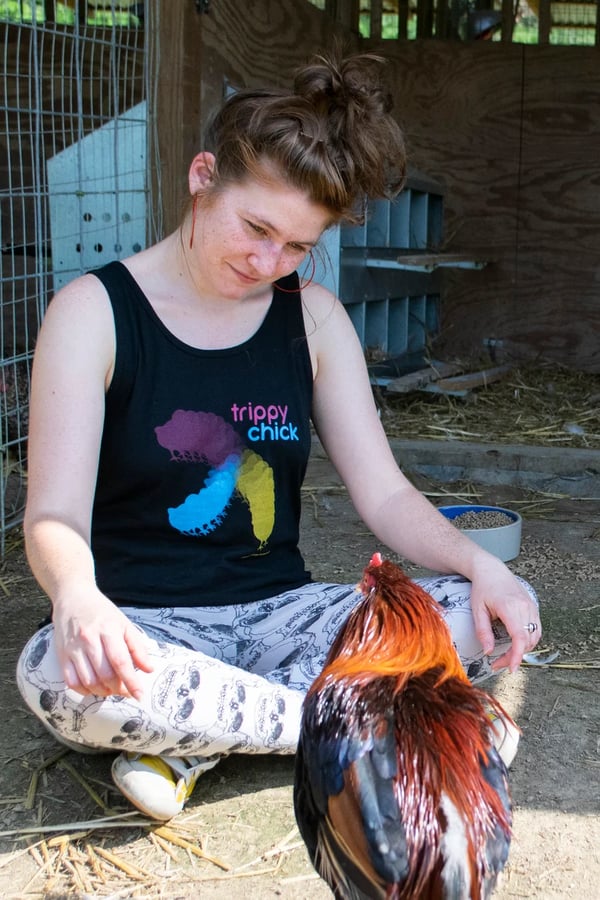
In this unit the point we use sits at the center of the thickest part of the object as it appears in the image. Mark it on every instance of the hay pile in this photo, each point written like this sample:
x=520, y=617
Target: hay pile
x=535, y=404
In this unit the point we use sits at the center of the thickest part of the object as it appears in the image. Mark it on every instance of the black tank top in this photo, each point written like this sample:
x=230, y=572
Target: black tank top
x=202, y=458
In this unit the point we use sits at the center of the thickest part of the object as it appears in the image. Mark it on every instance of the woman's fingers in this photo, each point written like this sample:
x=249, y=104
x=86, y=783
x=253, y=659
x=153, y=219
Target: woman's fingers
x=104, y=668
x=81, y=675
x=124, y=658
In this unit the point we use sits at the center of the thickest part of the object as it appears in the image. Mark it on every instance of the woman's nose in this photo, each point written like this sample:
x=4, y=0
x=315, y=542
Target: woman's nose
x=266, y=261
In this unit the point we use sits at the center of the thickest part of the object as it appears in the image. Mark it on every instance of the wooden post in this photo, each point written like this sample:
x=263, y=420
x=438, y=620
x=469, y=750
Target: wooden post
x=424, y=18
x=177, y=31
x=441, y=21
x=376, y=19
x=508, y=20
x=402, y=19
x=348, y=13
x=544, y=22
x=168, y=103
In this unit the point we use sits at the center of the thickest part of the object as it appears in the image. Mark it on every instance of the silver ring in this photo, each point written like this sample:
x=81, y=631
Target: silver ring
x=531, y=627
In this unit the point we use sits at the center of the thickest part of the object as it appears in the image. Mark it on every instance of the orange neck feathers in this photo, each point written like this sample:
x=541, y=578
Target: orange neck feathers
x=396, y=630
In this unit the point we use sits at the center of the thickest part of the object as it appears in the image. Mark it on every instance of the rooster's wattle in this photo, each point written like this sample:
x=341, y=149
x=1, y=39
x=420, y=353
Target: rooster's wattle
x=399, y=791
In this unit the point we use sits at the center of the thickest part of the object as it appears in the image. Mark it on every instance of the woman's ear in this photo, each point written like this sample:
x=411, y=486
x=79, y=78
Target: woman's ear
x=201, y=172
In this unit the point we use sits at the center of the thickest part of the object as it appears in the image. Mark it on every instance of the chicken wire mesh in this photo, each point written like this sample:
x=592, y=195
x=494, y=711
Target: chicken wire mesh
x=73, y=178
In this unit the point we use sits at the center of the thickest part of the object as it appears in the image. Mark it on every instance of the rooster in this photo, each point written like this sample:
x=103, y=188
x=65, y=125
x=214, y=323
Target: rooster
x=399, y=792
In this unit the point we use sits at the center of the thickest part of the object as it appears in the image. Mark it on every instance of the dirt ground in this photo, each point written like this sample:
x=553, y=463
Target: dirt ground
x=241, y=812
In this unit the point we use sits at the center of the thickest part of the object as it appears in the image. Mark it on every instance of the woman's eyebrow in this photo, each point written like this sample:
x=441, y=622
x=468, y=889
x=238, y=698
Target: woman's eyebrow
x=270, y=227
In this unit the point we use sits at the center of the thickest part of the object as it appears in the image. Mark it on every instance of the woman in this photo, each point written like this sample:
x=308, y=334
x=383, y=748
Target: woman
x=171, y=406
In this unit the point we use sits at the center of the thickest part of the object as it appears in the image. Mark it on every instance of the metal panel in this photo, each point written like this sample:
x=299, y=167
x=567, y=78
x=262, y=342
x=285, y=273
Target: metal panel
x=97, y=197
x=394, y=305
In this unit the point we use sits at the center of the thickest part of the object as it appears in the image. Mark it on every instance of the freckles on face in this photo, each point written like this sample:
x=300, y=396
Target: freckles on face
x=255, y=232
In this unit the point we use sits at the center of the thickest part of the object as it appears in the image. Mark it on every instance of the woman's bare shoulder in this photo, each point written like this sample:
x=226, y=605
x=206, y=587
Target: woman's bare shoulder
x=326, y=319
x=79, y=297
x=78, y=327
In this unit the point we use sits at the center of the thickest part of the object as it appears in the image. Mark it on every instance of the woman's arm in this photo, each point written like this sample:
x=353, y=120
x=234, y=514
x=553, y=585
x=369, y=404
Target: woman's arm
x=97, y=645
x=399, y=515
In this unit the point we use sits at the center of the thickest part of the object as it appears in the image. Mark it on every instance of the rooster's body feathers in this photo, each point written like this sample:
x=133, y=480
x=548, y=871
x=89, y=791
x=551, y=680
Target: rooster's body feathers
x=399, y=792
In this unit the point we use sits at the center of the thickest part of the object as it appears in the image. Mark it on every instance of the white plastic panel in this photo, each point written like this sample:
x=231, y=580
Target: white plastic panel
x=97, y=197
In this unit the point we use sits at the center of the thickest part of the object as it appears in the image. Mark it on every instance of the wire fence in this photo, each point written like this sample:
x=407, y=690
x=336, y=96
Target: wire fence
x=74, y=188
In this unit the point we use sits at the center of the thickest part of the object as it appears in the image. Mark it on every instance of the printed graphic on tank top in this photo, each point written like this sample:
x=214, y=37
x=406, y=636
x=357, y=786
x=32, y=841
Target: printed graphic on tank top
x=216, y=442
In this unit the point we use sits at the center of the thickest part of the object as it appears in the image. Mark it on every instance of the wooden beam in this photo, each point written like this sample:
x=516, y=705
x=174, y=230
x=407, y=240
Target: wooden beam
x=376, y=19
x=508, y=20
x=402, y=19
x=50, y=11
x=441, y=21
x=424, y=18
x=544, y=21
x=170, y=103
x=346, y=12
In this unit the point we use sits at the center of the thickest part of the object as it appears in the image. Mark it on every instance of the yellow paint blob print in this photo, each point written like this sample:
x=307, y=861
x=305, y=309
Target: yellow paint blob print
x=257, y=486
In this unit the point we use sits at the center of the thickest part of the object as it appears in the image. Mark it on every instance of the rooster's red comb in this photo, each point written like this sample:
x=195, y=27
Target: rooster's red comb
x=376, y=559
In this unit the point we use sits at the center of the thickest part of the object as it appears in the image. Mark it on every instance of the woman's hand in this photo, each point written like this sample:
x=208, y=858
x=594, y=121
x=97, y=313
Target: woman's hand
x=497, y=594
x=98, y=647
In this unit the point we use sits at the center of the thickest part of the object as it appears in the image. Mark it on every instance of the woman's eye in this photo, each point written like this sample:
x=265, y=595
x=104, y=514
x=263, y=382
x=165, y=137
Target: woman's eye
x=298, y=248
x=257, y=228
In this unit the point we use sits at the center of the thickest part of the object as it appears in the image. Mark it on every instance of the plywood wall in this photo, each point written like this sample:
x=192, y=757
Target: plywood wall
x=514, y=133
x=242, y=44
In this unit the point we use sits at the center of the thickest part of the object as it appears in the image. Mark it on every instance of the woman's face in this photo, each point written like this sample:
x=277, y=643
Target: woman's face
x=248, y=235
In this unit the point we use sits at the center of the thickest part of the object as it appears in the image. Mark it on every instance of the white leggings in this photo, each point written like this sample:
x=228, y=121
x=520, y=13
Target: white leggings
x=226, y=679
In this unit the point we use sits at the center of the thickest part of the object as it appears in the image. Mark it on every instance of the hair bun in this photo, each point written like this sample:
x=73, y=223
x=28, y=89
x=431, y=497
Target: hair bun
x=339, y=83
x=332, y=136
x=352, y=104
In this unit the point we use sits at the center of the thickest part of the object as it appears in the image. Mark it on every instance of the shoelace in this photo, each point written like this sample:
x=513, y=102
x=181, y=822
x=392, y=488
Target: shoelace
x=189, y=767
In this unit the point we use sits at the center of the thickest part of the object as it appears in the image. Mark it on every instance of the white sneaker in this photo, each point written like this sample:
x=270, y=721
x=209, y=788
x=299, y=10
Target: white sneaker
x=505, y=735
x=159, y=785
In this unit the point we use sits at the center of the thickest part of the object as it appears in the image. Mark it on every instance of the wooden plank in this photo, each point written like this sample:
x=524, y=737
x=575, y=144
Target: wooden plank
x=424, y=260
x=473, y=379
x=413, y=381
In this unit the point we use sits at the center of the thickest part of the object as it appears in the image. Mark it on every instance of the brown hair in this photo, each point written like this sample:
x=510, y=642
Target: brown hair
x=332, y=136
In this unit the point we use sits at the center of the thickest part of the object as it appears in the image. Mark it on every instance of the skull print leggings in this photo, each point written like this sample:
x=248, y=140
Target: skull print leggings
x=225, y=679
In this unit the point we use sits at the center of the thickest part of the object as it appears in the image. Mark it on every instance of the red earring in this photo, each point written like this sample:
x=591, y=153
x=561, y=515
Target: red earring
x=306, y=283
x=194, y=212
x=313, y=271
